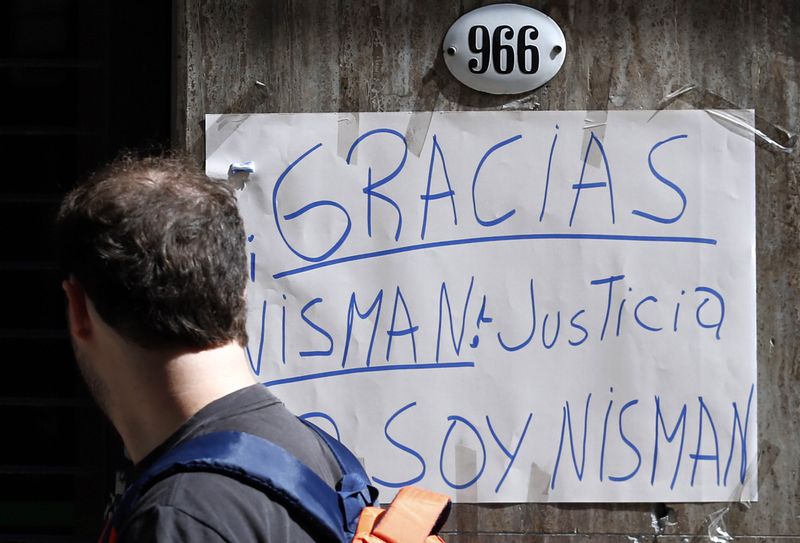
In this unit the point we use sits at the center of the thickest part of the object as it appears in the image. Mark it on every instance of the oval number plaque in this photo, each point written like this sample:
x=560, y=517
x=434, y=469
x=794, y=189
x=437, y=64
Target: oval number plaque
x=504, y=49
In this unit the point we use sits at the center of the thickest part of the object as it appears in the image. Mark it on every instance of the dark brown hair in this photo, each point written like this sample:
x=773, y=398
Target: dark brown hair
x=159, y=249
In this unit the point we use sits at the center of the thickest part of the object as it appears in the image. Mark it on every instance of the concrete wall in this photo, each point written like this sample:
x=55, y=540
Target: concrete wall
x=384, y=55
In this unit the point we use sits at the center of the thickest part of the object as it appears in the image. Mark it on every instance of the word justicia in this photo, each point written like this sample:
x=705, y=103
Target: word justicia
x=459, y=319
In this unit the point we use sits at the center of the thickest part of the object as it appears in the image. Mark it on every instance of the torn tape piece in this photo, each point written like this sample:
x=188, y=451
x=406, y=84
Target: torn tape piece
x=701, y=99
x=705, y=99
x=660, y=519
x=239, y=173
x=717, y=531
x=740, y=124
x=221, y=130
x=594, y=124
x=426, y=102
x=528, y=102
x=466, y=470
x=753, y=465
x=538, y=484
x=347, y=134
x=417, y=130
x=242, y=167
x=618, y=99
x=669, y=98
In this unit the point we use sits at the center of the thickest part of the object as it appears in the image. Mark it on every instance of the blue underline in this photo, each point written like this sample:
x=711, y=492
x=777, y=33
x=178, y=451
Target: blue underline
x=369, y=369
x=490, y=239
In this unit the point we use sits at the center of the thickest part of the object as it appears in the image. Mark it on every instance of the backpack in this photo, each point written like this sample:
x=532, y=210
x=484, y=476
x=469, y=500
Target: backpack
x=344, y=514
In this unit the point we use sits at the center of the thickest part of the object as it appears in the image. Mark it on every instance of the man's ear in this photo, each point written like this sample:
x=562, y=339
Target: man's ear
x=80, y=322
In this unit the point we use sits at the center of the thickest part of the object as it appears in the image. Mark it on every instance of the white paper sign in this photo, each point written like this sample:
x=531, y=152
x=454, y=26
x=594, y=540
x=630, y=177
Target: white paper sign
x=539, y=306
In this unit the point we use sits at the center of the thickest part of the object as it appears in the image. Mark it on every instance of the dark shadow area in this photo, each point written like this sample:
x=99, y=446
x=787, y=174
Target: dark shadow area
x=82, y=79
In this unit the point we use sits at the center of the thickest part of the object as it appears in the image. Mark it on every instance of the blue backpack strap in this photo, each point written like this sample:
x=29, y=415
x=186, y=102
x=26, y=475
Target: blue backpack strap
x=353, y=489
x=344, y=457
x=258, y=463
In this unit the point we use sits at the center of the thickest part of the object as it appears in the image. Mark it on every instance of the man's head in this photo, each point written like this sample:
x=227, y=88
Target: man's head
x=158, y=248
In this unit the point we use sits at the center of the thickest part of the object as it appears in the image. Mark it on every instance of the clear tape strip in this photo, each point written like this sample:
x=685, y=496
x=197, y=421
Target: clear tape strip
x=711, y=101
x=528, y=102
x=346, y=134
x=221, y=130
x=671, y=97
x=594, y=125
x=427, y=102
x=417, y=130
x=717, y=531
x=538, y=484
x=466, y=466
x=752, y=129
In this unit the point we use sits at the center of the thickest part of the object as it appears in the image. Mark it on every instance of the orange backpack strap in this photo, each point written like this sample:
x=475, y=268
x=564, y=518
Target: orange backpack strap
x=366, y=522
x=413, y=515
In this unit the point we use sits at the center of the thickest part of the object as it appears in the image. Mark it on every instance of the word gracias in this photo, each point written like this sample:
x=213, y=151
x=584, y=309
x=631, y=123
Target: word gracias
x=373, y=187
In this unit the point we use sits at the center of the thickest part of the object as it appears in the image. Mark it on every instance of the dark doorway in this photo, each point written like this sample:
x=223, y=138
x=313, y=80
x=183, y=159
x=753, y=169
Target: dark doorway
x=81, y=80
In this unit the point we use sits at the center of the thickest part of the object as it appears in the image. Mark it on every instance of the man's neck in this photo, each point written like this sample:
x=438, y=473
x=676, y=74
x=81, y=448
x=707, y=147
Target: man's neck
x=164, y=390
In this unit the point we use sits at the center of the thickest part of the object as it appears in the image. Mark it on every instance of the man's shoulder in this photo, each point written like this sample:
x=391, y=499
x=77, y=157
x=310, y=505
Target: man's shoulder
x=201, y=506
x=206, y=506
x=256, y=411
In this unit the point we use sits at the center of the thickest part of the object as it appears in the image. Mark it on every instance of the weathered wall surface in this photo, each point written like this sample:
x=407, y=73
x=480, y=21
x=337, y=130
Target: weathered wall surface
x=384, y=55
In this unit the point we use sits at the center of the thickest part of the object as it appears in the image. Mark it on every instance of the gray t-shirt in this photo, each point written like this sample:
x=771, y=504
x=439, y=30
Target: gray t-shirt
x=211, y=507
